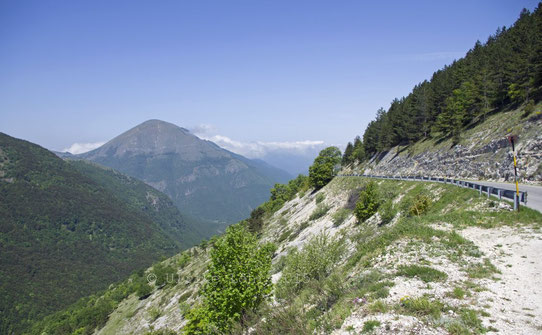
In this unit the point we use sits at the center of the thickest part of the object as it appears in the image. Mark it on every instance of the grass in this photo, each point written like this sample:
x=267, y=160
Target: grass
x=378, y=307
x=458, y=293
x=424, y=273
x=340, y=216
x=481, y=270
x=456, y=328
x=320, y=197
x=470, y=319
x=422, y=306
x=370, y=325
x=154, y=313
x=320, y=211
x=284, y=235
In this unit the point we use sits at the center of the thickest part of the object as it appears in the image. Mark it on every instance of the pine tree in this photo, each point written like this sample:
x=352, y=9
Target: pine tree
x=348, y=154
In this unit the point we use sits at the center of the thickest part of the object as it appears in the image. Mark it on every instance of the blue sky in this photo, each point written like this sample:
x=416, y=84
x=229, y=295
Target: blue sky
x=255, y=74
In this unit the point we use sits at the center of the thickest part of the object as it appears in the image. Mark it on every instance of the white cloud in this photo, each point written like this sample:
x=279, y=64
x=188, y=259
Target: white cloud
x=256, y=149
x=79, y=148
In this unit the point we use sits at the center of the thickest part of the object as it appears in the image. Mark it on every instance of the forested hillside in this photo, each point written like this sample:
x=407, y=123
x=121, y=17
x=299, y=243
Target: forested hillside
x=495, y=76
x=337, y=256
x=69, y=230
x=205, y=181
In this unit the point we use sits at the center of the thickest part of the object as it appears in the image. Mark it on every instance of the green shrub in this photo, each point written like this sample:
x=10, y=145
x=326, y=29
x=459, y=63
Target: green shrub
x=387, y=212
x=368, y=202
x=458, y=293
x=143, y=290
x=528, y=109
x=482, y=270
x=316, y=261
x=370, y=325
x=288, y=319
x=378, y=307
x=282, y=193
x=420, y=205
x=422, y=306
x=154, y=313
x=320, y=197
x=238, y=280
x=284, y=235
x=340, y=216
x=456, y=328
x=323, y=169
x=183, y=260
x=255, y=221
x=320, y=211
x=424, y=273
x=164, y=274
x=470, y=319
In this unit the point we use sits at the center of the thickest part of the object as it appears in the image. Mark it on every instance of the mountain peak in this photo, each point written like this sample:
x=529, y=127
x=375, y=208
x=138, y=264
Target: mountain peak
x=156, y=137
x=155, y=123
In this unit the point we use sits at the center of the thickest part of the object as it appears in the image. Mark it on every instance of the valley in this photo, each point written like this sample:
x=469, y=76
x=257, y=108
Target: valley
x=133, y=225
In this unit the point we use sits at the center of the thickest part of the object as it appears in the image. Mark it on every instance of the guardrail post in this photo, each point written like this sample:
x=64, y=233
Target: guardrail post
x=516, y=202
x=499, y=192
x=489, y=189
x=480, y=187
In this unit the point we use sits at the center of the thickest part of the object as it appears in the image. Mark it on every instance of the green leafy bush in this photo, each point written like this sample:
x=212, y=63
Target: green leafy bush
x=316, y=261
x=143, y=290
x=164, y=274
x=238, y=280
x=420, y=205
x=255, y=221
x=368, y=202
x=282, y=193
x=323, y=169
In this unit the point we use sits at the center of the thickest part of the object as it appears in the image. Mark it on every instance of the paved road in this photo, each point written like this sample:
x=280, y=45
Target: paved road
x=534, y=193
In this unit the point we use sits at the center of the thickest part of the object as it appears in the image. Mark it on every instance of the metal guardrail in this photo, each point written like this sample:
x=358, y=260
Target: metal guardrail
x=483, y=189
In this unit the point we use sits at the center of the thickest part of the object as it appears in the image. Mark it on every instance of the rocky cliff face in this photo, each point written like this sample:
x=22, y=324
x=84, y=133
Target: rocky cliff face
x=484, y=153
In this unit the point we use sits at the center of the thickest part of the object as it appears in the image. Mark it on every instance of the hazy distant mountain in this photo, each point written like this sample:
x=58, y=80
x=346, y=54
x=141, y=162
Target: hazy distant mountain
x=294, y=163
x=201, y=178
x=68, y=229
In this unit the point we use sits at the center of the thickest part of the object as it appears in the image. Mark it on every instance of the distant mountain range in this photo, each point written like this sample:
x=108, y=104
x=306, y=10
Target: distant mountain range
x=70, y=225
x=71, y=228
x=204, y=180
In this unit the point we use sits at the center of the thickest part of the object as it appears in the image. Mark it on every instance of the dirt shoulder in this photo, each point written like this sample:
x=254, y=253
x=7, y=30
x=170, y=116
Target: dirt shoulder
x=515, y=301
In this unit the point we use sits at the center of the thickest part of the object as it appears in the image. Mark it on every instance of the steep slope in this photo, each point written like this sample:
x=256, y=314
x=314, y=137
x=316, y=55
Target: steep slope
x=201, y=178
x=396, y=272
x=483, y=153
x=68, y=230
x=145, y=199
